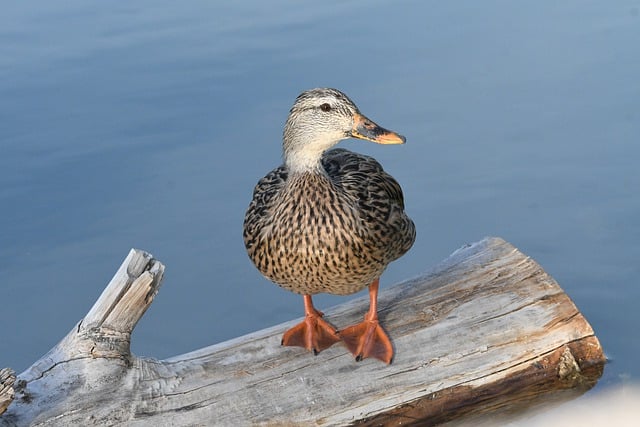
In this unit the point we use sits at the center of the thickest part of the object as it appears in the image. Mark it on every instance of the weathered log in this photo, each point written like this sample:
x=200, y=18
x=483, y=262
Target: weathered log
x=7, y=379
x=485, y=330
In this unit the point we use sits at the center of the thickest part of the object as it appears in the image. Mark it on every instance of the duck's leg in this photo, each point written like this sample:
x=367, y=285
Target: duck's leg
x=313, y=333
x=367, y=338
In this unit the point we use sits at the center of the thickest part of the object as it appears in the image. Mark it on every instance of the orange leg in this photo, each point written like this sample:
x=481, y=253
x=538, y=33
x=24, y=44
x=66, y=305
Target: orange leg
x=368, y=339
x=313, y=333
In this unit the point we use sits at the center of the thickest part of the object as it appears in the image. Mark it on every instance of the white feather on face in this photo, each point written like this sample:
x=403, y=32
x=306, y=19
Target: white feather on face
x=319, y=119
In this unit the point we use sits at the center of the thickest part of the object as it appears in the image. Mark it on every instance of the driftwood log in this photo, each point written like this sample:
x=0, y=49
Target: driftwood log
x=485, y=331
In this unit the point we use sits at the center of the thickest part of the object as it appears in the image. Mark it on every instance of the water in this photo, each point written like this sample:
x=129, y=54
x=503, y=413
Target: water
x=147, y=124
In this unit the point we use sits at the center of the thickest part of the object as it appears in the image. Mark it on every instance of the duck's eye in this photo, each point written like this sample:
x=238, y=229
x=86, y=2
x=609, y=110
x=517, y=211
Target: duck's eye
x=325, y=107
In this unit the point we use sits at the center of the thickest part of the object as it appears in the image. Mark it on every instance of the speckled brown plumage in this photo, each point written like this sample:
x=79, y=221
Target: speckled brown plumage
x=329, y=220
x=333, y=231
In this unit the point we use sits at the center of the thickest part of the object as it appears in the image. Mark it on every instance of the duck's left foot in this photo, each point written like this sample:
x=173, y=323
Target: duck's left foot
x=368, y=339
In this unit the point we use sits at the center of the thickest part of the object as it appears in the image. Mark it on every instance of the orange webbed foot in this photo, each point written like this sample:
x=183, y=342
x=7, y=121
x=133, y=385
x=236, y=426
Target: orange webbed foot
x=368, y=339
x=313, y=333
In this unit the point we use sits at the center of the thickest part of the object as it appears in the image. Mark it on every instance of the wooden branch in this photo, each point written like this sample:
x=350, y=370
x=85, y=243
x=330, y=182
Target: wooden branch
x=7, y=378
x=487, y=330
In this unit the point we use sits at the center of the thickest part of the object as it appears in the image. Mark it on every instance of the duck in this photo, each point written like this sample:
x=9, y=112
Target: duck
x=329, y=220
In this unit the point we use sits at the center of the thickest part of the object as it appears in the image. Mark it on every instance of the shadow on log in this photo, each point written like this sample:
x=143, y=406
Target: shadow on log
x=485, y=332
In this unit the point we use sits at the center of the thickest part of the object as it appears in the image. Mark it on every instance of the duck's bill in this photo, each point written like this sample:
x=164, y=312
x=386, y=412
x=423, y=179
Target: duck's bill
x=363, y=128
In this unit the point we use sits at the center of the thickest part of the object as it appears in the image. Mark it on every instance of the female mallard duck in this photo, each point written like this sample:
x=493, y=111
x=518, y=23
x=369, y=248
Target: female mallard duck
x=329, y=221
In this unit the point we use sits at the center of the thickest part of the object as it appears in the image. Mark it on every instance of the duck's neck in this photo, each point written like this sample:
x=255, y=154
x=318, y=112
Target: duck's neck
x=303, y=145
x=305, y=154
x=301, y=161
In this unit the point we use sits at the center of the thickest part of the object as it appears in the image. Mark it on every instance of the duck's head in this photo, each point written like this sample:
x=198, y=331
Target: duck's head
x=319, y=119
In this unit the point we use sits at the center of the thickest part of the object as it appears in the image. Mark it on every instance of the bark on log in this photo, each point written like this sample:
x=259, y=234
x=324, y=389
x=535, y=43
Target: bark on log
x=487, y=330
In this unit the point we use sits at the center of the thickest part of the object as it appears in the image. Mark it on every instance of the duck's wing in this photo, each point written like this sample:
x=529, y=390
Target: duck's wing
x=363, y=178
x=259, y=210
x=377, y=195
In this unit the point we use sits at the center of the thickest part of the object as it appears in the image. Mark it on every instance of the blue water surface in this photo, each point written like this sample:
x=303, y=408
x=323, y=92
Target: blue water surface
x=146, y=124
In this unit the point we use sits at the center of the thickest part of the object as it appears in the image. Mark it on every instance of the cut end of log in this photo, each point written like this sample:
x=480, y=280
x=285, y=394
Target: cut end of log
x=562, y=374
